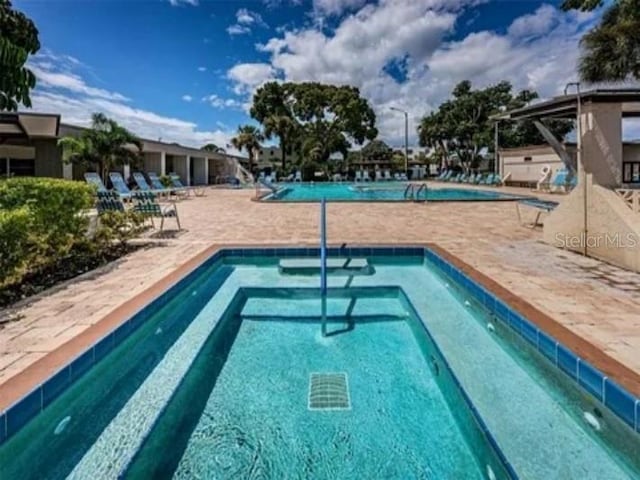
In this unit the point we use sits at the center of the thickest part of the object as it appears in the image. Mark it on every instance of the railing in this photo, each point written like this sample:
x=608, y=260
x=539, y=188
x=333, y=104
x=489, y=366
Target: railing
x=631, y=197
x=422, y=187
x=408, y=192
x=323, y=263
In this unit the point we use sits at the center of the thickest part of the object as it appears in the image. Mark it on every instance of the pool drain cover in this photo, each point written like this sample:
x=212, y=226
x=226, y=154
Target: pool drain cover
x=329, y=391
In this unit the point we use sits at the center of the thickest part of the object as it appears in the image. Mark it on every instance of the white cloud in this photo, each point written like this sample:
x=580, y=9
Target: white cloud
x=202, y=69
x=247, y=17
x=248, y=76
x=336, y=7
x=218, y=102
x=539, y=51
x=535, y=24
x=187, y=98
x=236, y=29
x=176, y=3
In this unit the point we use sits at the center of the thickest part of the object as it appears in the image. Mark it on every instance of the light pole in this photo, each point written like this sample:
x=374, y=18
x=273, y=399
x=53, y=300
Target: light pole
x=406, y=139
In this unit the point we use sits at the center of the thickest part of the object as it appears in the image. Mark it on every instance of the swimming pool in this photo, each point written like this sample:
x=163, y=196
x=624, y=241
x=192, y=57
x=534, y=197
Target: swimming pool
x=423, y=375
x=379, y=192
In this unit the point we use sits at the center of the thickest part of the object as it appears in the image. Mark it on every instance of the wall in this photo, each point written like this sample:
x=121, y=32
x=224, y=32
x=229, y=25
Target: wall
x=512, y=161
x=601, y=133
x=612, y=229
x=48, y=158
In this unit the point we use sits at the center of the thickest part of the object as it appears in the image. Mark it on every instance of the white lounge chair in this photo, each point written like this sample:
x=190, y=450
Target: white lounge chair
x=298, y=177
x=387, y=175
x=337, y=177
x=378, y=176
x=403, y=177
x=359, y=176
x=365, y=176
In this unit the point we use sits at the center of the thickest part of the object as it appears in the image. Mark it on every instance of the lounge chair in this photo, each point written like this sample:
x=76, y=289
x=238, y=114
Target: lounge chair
x=146, y=204
x=403, y=177
x=142, y=184
x=387, y=175
x=378, y=176
x=560, y=181
x=358, y=176
x=337, y=177
x=119, y=184
x=365, y=176
x=479, y=178
x=94, y=179
x=471, y=178
x=177, y=185
x=298, y=176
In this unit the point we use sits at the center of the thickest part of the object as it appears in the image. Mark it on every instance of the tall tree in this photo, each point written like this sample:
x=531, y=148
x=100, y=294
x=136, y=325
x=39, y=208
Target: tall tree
x=103, y=146
x=326, y=118
x=18, y=40
x=284, y=127
x=248, y=138
x=462, y=124
x=377, y=150
x=610, y=51
x=212, y=147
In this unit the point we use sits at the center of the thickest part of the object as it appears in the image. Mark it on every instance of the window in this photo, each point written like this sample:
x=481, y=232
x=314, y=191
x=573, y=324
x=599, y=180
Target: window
x=261, y=152
x=272, y=153
x=527, y=159
x=630, y=172
x=22, y=168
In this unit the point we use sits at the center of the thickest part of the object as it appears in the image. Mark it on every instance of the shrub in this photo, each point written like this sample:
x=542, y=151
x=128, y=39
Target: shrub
x=14, y=243
x=120, y=227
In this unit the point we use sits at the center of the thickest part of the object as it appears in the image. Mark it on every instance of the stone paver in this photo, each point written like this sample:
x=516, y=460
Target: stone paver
x=599, y=302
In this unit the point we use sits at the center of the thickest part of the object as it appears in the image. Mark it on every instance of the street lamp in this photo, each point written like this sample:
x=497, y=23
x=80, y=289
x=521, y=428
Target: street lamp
x=406, y=139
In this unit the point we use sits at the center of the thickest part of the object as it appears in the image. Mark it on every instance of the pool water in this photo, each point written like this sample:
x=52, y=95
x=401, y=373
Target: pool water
x=215, y=384
x=378, y=192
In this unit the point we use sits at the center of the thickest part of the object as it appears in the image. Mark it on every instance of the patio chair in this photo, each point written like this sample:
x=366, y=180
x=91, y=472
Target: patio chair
x=559, y=183
x=387, y=175
x=94, y=179
x=120, y=185
x=108, y=201
x=471, y=178
x=298, y=176
x=365, y=176
x=358, y=176
x=145, y=203
x=403, y=177
x=479, y=179
x=177, y=185
x=337, y=177
x=378, y=176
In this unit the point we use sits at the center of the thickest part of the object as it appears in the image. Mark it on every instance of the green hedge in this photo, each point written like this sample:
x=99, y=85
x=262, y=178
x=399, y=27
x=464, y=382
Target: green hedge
x=50, y=211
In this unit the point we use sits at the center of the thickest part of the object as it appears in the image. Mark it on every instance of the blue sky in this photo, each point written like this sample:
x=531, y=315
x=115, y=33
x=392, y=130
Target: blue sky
x=184, y=70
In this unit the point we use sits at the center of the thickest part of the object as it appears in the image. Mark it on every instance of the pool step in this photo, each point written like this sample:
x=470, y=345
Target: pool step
x=335, y=266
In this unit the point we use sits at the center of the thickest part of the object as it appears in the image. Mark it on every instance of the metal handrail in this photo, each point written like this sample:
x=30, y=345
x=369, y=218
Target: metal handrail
x=408, y=192
x=323, y=263
x=420, y=188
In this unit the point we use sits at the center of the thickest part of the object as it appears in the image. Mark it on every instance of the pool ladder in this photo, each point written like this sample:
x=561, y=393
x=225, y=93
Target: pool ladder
x=413, y=193
x=323, y=263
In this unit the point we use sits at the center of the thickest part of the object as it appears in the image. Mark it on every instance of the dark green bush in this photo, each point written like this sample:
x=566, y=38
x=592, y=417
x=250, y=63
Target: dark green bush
x=14, y=243
x=119, y=227
x=50, y=211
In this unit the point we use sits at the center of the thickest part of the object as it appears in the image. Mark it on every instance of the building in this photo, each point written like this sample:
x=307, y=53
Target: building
x=270, y=156
x=29, y=147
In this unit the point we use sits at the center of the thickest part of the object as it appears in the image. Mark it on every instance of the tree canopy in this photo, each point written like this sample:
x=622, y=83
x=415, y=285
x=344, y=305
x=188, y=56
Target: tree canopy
x=18, y=40
x=212, y=147
x=611, y=50
x=103, y=146
x=315, y=118
x=462, y=125
x=377, y=150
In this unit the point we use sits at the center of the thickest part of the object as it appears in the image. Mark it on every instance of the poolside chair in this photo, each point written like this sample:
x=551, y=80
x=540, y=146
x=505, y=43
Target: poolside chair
x=403, y=177
x=471, y=178
x=560, y=181
x=365, y=176
x=387, y=175
x=177, y=185
x=94, y=179
x=298, y=176
x=146, y=204
x=337, y=177
x=119, y=185
x=378, y=176
x=142, y=184
x=109, y=201
x=358, y=176
x=479, y=179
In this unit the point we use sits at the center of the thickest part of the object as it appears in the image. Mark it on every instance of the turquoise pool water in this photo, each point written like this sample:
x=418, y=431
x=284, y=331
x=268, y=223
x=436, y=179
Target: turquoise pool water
x=377, y=192
x=215, y=384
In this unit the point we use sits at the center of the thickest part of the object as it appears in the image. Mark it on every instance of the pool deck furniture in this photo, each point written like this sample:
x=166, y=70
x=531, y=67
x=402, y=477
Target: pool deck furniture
x=142, y=184
x=177, y=185
x=145, y=203
x=94, y=179
x=378, y=176
x=108, y=201
x=298, y=176
x=365, y=176
x=120, y=185
x=157, y=185
x=542, y=206
x=387, y=175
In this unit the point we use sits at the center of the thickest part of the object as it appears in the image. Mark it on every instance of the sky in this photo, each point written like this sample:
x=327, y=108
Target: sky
x=185, y=70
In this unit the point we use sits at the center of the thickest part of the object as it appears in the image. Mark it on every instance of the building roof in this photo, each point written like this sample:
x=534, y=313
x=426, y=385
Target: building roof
x=565, y=106
x=14, y=125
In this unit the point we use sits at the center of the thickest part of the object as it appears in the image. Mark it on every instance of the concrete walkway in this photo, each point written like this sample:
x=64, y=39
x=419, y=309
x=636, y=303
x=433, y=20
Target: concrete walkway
x=599, y=302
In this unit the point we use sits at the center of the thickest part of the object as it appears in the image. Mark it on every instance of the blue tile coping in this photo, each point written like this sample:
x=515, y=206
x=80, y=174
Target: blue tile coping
x=590, y=379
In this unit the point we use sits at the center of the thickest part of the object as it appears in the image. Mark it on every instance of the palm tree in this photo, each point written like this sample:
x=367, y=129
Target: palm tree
x=611, y=51
x=212, y=147
x=248, y=138
x=103, y=146
x=284, y=127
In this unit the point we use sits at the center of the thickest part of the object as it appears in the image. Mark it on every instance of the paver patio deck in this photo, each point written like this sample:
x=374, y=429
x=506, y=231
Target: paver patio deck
x=599, y=302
